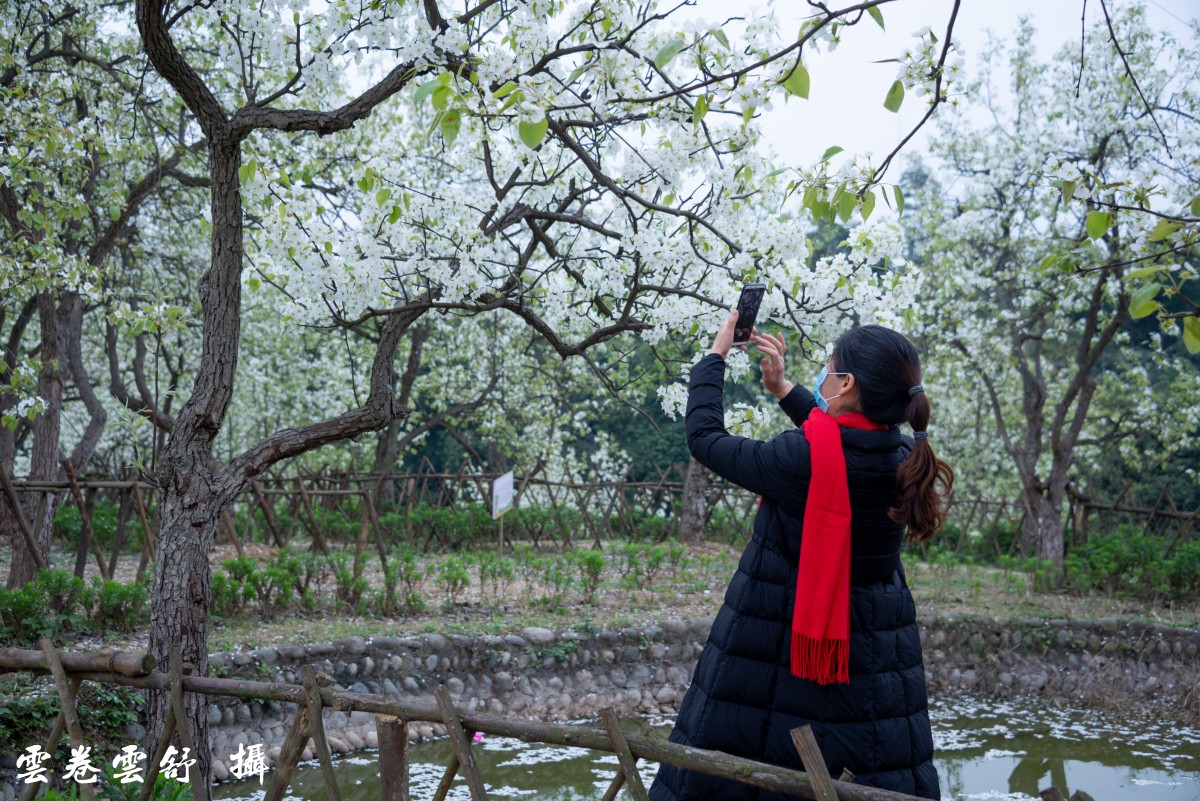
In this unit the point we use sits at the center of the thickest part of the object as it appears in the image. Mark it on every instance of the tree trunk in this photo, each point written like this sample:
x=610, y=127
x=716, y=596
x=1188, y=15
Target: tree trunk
x=44, y=464
x=1044, y=528
x=695, y=503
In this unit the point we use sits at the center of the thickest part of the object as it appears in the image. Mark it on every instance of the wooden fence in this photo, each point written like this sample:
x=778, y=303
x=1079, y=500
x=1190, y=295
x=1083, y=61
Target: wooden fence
x=392, y=718
x=601, y=510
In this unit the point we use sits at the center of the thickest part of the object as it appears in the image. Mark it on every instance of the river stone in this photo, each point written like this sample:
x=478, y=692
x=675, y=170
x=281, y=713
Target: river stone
x=268, y=655
x=390, y=687
x=241, y=660
x=411, y=685
x=242, y=714
x=665, y=695
x=359, y=687
x=320, y=649
x=220, y=772
x=355, y=741
x=517, y=704
x=216, y=661
x=368, y=666
x=537, y=636
x=607, y=657
x=444, y=664
x=504, y=681
x=492, y=640
x=555, y=683
x=523, y=661
x=352, y=668
x=658, y=651
x=632, y=698
x=435, y=642
x=214, y=715
x=631, y=654
x=431, y=662
x=495, y=706
x=700, y=625
x=385, y=643
x=677, y=675
x=351, y=645
x=291, y=651
x=256, y=714
x=338, y=745
x=372, y=738
x=549, y=662
x=455, y=685
x=641, y=674
x=1006, y=679
x=618, y=678
x=307, y=753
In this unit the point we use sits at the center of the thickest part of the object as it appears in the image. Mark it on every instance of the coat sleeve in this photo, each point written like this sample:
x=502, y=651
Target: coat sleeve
x=766, y=468
x=797, y=404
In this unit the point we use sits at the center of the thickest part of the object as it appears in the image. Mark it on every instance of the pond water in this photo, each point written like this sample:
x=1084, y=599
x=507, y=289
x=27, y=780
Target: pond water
x=992, y=751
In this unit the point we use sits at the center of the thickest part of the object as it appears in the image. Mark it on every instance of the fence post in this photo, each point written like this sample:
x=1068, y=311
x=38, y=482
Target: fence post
x=66, y=708
x=316, y=728
x=393, y=757
x=814, y=763
x=624, y=756
x=461, y=743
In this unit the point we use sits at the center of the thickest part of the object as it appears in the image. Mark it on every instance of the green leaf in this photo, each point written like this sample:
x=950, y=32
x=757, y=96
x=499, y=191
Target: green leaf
x=254, y=283
x=1143, y=304
x=868, y=205
x=1191, y=334
x=1097, y=223
x=1163, y=230
x=1144, y=272
x=1196, y=206
x=797, y=82
x=722, y=38
x=532, y=133
x=441, y=96
x=899, y=200
x=285, y=180
x=876, y=15
x=426, y=89
x=668, y=52
x=1068, y=190
x=505, y=90
x=114, y=213
x=700, y=110
x=328, y=246
x=451, y=125
x=846, y=206
x=895, y=97
x=1048, y=263
x=382, y=196
x=395, y=215
x=831, y=152
x=247, y=170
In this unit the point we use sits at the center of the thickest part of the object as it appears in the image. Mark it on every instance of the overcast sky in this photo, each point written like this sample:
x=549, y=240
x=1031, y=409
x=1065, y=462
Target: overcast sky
x=845, y=105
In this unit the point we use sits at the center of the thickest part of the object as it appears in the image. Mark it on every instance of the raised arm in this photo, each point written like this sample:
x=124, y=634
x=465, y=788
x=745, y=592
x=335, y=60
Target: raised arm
x=766, y=468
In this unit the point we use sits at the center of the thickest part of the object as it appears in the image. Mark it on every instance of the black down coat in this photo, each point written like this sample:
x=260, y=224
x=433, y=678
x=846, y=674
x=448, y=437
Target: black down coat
x=743, y=698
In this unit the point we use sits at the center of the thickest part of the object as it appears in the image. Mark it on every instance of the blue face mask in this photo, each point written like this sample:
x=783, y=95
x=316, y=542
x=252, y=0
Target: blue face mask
x=822, y=401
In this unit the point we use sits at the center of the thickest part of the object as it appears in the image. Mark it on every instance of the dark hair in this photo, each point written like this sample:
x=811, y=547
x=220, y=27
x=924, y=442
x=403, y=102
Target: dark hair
x=885, y=366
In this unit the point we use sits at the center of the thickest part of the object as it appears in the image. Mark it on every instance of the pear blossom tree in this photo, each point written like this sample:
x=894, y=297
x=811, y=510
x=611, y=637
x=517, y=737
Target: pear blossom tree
x=86, y=141
x=591, y=169
x=1029, y=310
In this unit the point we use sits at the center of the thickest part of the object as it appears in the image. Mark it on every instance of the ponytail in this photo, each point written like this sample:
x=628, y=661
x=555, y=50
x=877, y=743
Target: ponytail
x=888, y=371
x=922, y=504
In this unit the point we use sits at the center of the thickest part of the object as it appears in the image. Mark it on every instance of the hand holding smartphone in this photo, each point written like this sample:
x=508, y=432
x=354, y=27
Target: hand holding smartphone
x=747, y=308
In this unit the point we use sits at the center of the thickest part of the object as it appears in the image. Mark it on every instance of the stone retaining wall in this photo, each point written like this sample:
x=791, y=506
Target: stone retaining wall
x=537, y=673
x=550, y=675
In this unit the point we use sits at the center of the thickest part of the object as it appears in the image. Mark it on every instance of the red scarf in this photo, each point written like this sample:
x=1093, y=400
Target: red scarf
x=821, y=619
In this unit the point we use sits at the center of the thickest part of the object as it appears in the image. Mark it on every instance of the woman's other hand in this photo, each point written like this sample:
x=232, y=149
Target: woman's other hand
x=772, y=366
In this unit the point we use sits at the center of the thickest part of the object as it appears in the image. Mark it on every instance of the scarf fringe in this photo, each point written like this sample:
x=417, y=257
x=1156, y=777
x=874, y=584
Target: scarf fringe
x=824, y=661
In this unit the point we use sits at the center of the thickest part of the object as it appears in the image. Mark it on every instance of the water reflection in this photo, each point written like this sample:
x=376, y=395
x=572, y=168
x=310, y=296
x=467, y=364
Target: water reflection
x=985, y=752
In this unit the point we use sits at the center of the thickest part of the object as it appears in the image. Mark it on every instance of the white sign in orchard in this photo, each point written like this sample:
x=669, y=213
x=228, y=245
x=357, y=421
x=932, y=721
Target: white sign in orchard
x=502, y=494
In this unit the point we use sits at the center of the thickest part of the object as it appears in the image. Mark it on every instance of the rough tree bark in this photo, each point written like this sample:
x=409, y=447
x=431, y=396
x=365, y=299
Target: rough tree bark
x=695, y=503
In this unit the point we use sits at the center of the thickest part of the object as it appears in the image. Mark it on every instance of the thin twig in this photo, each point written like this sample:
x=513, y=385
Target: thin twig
x=1112, y=34
x=1082, y=42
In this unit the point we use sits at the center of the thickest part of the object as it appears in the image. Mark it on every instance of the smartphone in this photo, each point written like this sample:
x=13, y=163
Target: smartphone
x=748, y=303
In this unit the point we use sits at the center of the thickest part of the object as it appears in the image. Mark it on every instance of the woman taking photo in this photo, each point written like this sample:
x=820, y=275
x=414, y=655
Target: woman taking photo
x=818, y=626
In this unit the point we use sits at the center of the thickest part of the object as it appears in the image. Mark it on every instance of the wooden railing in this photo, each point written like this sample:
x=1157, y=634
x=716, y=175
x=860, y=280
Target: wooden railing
x=392, y=718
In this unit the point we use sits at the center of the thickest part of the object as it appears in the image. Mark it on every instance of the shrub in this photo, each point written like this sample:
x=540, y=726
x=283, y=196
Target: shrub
x=590, y=565
x=454, y=576
x=119, y=607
